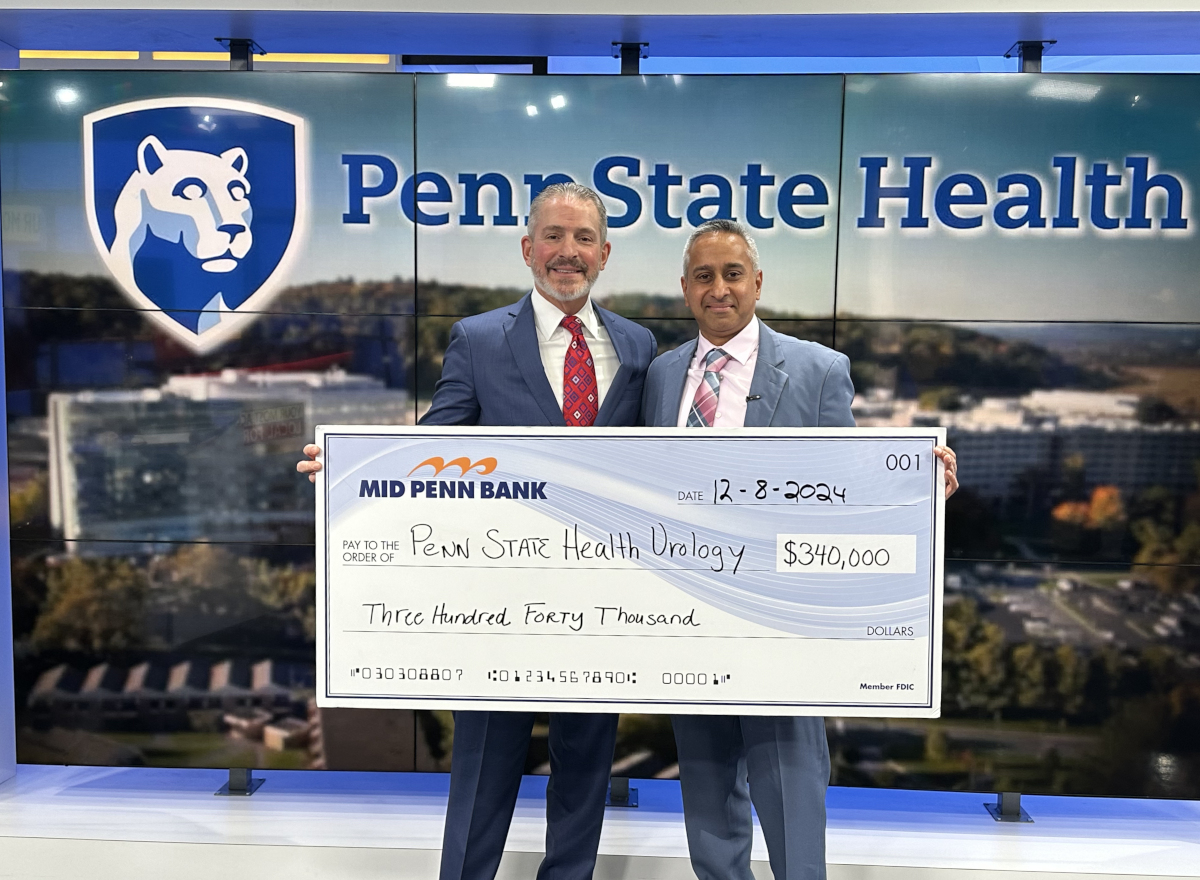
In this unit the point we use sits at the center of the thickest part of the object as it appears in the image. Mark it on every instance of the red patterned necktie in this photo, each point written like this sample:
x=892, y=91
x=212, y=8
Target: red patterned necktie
x=580, y=393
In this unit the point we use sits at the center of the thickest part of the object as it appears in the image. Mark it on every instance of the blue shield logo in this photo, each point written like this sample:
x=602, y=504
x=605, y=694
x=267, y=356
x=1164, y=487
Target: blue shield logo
x=197, y=206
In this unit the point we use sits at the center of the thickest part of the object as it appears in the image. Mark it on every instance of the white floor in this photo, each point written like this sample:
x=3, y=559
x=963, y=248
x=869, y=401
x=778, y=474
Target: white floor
x=100, y=823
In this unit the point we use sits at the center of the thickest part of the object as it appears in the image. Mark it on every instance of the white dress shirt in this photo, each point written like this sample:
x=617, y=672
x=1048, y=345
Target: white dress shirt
x=735, y=378
x=554, y=340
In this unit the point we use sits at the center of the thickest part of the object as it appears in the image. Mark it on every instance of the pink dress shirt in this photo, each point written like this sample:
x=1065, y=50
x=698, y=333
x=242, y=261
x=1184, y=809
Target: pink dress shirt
x=735, y=378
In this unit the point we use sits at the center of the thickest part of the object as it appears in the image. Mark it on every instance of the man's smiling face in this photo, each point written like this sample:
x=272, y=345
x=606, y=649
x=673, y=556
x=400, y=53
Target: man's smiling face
x=721, y=285
x=565, y=250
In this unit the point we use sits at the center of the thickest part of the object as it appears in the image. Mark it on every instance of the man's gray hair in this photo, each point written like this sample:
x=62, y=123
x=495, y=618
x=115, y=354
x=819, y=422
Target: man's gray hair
x=720, y=225
x=574, y=192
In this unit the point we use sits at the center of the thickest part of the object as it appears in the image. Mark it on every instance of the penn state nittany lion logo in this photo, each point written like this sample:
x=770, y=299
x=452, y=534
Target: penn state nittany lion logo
x=197, y=207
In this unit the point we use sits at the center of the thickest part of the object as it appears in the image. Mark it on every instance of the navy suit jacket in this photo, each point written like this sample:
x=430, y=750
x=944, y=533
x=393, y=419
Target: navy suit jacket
x=796, y=384
x=492, y=372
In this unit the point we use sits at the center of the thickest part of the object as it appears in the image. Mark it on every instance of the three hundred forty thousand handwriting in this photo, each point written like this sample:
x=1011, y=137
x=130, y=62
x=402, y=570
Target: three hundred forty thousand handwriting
x=726, y=762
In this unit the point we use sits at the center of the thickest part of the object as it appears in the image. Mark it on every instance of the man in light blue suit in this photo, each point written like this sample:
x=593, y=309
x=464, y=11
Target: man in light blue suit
x=551, y=359
x=740, y=373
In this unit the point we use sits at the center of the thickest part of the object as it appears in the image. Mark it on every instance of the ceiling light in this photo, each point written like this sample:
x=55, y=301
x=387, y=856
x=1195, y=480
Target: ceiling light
x=1064, y=90
x=471, y=80
x=531, y=109
x=321, y=58
x=558, y=102
x=72, y=55
x=191, y=56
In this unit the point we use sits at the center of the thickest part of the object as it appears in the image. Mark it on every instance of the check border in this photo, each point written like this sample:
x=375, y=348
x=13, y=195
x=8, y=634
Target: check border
x=936, y=435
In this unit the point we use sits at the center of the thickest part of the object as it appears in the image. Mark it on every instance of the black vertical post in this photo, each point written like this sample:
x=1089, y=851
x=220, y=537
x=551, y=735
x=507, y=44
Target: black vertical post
x=1010, y=801
x=620, y=794
x=239, y=780
x=1029, y=54
x=631, y=59
x=241, y=783
x=241, y=51
x=241, y=54
x=1007, y=808
x=631, y=55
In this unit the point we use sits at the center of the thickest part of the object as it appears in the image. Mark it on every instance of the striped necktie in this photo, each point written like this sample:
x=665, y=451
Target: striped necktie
x=704, y=405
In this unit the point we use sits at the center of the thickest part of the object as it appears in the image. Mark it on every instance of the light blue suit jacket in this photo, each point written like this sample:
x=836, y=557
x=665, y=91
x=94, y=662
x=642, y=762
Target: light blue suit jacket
x=492, y=372
x=796, y=384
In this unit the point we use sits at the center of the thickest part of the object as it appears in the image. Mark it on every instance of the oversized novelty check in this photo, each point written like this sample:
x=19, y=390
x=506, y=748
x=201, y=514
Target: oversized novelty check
x=753, y=571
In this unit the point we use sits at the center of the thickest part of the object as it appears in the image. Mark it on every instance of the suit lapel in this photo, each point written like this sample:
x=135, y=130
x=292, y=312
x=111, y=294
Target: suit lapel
x=768, y=381
x=521, y=333
x=675, y=382
x=623, y=346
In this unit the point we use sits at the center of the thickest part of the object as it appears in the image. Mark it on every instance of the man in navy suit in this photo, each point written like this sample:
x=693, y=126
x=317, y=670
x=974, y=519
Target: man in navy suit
x=553, y=358
x=740, y=373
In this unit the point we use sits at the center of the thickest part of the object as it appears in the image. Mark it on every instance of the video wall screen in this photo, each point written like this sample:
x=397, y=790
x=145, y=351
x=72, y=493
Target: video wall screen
x=199, y=268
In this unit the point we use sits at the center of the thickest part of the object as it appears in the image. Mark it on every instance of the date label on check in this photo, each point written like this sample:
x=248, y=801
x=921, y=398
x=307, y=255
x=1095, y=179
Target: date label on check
x=848, y=554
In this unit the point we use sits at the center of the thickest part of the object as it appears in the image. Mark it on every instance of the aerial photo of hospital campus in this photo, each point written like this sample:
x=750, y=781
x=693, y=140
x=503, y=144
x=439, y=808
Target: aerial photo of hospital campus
x=163, y=562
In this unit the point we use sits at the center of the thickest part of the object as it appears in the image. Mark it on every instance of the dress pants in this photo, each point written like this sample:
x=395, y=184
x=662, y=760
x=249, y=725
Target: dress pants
x=781, y=765
x=485, y=773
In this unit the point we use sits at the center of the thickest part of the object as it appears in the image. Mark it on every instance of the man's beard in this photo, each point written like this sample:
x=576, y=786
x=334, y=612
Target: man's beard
x=546, y=286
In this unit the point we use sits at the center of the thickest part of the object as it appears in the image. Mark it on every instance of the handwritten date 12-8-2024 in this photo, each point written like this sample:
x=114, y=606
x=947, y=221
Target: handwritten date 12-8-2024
x=724, y=492
x=794, y=491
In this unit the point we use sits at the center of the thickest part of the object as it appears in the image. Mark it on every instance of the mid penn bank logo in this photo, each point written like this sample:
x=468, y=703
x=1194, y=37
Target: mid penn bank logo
x=197, y=207
x=464, y=465
x=426, y=487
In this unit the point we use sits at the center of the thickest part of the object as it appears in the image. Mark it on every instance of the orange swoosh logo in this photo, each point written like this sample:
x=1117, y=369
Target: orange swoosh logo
x=464, y=465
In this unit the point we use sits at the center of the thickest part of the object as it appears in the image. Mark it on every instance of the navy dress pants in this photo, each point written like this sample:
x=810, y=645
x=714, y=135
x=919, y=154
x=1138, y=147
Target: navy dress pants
x=485, y=773
x=781, y=765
